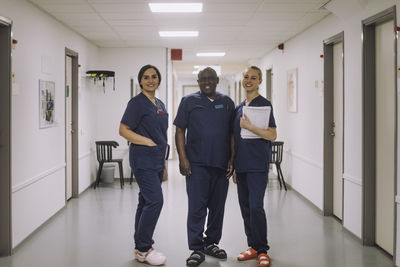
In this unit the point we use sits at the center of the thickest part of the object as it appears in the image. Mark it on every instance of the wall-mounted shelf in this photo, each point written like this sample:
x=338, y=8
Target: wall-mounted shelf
x=102, y=75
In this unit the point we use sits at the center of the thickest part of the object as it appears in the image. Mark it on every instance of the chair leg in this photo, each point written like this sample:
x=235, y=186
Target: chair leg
x=131, y=178
x=279, y=177
x=121, y=175
x=283, y=180
x=96, y=183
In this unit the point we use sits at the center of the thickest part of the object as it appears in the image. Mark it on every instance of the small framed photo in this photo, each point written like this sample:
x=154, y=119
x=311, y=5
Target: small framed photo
x=292, y=90
x=46, y=104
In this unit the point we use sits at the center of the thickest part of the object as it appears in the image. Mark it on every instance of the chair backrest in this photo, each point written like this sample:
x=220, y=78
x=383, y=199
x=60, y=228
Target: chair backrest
x=276, y=152
x=104, y=150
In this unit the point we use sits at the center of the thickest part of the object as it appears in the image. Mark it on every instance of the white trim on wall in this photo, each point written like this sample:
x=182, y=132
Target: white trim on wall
x=38, y=177
x=351, y=179
x=305, y=159
x=85, y=155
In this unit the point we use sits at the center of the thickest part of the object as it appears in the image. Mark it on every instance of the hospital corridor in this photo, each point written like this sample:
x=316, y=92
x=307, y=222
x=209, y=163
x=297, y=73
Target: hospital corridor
x=120, y=119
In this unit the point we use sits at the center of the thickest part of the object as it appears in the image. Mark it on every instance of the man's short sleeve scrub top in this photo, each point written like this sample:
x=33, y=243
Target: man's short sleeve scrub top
x=209, y=128
x=151, y=121
x=252, y=155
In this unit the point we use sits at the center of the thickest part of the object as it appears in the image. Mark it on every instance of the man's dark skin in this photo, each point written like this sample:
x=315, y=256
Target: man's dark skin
x=207, y=80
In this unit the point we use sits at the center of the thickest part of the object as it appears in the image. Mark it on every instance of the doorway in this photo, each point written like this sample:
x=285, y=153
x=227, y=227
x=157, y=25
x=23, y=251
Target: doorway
x=333, y=125
x=379, y=130
x=71, y=125
x=5, y=137
x=268, y=84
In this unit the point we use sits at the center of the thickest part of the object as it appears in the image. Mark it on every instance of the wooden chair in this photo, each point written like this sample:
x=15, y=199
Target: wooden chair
x=104, y=154
x=276, y=158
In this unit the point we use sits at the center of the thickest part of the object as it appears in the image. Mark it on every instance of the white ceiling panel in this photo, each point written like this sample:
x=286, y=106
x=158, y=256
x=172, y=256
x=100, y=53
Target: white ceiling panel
x=132, y=22
x=231, y=7
x=131, y=7
x=81, y=7
x=124, y=16
x=244, y=29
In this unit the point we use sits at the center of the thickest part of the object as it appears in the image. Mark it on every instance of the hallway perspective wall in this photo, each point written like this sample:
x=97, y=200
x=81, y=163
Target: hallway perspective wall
x=302, y=132
x=38, y=155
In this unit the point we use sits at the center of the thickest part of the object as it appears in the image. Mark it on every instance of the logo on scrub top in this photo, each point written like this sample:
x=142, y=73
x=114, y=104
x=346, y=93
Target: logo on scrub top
x=160, y=110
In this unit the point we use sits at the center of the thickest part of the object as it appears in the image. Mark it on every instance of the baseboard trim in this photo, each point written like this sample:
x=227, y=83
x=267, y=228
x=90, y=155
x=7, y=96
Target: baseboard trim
x=40, y=227
x=306, y=199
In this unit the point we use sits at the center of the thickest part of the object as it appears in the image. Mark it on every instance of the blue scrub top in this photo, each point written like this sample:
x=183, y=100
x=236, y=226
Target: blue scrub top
x=252, y=155
x=151, y=121
x=209, y=127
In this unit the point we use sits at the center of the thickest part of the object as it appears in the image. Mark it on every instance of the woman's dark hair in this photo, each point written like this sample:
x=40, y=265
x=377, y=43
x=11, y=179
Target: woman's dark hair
x=143, y=69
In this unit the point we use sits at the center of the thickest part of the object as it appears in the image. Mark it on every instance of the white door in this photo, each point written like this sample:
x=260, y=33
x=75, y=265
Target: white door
x=338, y=129
x=385, y=135
x=68, y=125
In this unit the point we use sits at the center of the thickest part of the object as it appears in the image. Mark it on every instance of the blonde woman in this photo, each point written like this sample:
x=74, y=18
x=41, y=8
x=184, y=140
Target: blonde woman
x=251, y=169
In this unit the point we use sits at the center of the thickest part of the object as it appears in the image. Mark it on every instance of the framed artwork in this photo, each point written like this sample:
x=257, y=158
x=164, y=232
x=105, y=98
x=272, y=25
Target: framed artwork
x=46, y=104
x=292, y=90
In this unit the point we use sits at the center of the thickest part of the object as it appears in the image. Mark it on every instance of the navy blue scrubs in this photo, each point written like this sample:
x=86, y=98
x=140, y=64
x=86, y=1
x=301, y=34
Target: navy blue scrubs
x=209, y=129
x=147, y=163
x=251, y=165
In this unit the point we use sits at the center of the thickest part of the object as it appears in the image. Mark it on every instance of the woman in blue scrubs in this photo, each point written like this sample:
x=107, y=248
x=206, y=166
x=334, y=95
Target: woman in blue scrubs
x=251, y=169
x=145, y=124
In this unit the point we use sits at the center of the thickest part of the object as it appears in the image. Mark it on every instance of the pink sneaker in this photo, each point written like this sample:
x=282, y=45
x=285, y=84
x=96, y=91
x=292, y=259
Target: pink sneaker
x=152, y=257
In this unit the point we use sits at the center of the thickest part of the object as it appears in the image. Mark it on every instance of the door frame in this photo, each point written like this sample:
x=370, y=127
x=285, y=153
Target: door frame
x=369, y=122
x=268, y=84
x=74, y=127
x=328, y=120
x=5, y=141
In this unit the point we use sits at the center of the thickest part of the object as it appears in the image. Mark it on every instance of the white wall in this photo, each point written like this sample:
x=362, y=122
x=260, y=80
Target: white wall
x=110, y=106
x=302, y=132
x=38, y=155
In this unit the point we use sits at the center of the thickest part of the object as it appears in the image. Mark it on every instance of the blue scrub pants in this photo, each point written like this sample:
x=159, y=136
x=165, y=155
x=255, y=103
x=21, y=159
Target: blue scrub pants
x=149, y=207
x=207, y=188
x=251, y=188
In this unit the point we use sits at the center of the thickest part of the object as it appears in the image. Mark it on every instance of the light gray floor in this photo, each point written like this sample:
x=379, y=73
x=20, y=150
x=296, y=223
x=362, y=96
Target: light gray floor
x=96, y=230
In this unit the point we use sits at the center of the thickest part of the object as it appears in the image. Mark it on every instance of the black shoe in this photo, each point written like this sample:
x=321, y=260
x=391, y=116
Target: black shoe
x=215, y=251
x=195, y=259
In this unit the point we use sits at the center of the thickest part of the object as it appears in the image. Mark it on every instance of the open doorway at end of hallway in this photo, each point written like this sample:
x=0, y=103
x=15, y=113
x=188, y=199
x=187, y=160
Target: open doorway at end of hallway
x=333, y=125
x=71, y=125
x=379, y=131
x=5, y=137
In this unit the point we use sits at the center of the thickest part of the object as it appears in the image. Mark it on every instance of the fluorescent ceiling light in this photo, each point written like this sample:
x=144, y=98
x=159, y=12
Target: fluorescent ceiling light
x=176, y=7
x=179, y=33
x=217, y=68
x=211, y=54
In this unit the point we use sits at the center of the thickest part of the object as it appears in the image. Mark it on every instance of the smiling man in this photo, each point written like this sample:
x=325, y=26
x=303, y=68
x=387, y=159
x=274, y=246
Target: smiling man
x=206, y=161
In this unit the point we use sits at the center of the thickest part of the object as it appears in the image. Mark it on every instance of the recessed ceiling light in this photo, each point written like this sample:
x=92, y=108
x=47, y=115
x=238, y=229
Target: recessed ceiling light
x=179, y=33
x=176, y=7
x=211, y=54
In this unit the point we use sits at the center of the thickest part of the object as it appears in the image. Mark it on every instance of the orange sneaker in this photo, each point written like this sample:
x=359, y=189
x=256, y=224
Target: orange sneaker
x=250, y=253
x=263, y=260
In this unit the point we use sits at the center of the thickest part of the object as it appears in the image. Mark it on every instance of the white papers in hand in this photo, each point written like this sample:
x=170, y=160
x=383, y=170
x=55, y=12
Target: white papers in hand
x=259, y=117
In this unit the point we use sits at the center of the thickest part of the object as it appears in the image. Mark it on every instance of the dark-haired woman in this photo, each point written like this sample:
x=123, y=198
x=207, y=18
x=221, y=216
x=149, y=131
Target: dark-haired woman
x=145, y=124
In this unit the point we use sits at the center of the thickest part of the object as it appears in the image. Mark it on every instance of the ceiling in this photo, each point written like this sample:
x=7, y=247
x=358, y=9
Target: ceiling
x=244, y=29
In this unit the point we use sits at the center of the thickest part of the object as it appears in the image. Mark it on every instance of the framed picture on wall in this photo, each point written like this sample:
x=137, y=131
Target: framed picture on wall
x=46, y=104
x=292, y=90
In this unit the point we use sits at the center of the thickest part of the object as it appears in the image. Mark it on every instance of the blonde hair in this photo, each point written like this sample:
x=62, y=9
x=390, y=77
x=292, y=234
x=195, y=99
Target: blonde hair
x=258, y=71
